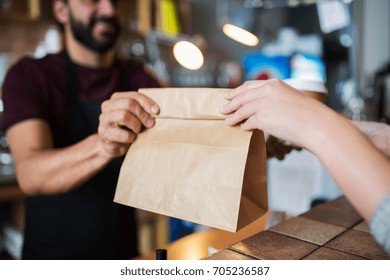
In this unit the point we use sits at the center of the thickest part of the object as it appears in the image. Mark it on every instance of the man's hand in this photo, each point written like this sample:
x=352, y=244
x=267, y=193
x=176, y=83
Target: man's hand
x=123, y=116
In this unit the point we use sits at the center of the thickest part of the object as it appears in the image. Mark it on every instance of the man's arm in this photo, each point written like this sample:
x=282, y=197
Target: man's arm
x=41, y=169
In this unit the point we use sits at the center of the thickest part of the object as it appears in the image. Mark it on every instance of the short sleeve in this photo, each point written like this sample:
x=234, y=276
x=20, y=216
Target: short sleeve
x=23, y=93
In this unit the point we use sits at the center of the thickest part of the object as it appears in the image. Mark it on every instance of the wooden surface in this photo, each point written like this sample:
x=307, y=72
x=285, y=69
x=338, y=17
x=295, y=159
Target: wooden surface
x=329, y=231
x=9, y=193
x=197, y=245
x=13, y=196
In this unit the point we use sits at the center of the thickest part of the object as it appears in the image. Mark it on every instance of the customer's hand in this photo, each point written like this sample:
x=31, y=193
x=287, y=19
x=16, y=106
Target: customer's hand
x=276, y=108
x=379, y=134
x=124, y=116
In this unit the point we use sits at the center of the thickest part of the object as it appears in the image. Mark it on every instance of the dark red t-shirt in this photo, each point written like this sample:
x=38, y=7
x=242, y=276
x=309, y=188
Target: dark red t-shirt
x=38, y=88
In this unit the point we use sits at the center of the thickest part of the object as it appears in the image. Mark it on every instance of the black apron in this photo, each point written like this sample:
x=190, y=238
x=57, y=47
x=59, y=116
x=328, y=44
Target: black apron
x=84, y=223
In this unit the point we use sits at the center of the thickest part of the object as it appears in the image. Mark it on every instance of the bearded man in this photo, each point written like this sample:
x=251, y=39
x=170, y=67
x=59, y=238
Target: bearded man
x=69, y=119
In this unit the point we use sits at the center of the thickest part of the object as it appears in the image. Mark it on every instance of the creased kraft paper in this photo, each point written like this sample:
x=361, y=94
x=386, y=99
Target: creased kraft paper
x=193, y=166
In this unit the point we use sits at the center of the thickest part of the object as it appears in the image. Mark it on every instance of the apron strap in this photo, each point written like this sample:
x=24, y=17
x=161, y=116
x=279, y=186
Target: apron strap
x=73, y=87
x=74, y=91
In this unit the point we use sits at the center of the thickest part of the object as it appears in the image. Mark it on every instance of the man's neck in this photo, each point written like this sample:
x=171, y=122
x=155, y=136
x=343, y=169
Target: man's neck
x=87, y=57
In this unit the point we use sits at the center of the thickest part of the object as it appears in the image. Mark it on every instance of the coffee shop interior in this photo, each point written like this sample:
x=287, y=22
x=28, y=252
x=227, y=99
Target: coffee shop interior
x=195, y=43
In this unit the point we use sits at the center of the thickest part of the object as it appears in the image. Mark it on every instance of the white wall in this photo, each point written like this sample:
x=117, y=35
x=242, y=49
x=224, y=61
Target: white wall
x=375, y=35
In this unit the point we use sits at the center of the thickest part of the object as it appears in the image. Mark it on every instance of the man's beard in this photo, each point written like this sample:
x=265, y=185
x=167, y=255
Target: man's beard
x=83, y=33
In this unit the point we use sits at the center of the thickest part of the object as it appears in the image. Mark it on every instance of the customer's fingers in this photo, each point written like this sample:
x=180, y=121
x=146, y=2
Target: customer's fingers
x=243, y=113
x=245, y=97
x=246, y=86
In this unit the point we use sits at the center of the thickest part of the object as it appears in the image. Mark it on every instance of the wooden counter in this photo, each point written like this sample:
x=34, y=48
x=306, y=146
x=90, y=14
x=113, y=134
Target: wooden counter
x=9, y=189
x=197, y=245
x=329, y=231
x=10, y=193
x=12, y=197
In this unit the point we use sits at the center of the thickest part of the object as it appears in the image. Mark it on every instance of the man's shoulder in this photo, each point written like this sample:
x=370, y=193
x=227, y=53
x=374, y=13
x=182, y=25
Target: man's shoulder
x=39, y=72
x=28, y=62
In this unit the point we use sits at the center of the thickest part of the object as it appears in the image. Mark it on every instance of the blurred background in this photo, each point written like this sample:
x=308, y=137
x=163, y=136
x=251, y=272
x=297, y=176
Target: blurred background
x=223, y=43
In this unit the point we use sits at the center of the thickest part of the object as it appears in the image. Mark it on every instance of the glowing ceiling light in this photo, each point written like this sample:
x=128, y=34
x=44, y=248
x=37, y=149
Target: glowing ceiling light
x=188, y=55
x=240, y=35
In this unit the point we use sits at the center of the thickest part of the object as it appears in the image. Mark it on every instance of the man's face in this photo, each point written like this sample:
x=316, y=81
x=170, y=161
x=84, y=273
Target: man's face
x=99, y=31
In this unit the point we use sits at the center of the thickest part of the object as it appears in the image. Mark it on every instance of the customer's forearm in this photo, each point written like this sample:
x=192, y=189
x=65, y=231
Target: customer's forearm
x=378, y=133
x=360, y=170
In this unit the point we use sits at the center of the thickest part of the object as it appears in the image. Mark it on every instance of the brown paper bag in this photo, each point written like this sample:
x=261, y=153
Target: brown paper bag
x=193, y=166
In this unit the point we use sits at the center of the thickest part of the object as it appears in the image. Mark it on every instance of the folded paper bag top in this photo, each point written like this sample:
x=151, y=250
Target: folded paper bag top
x=188, y=103
x=193, y=166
